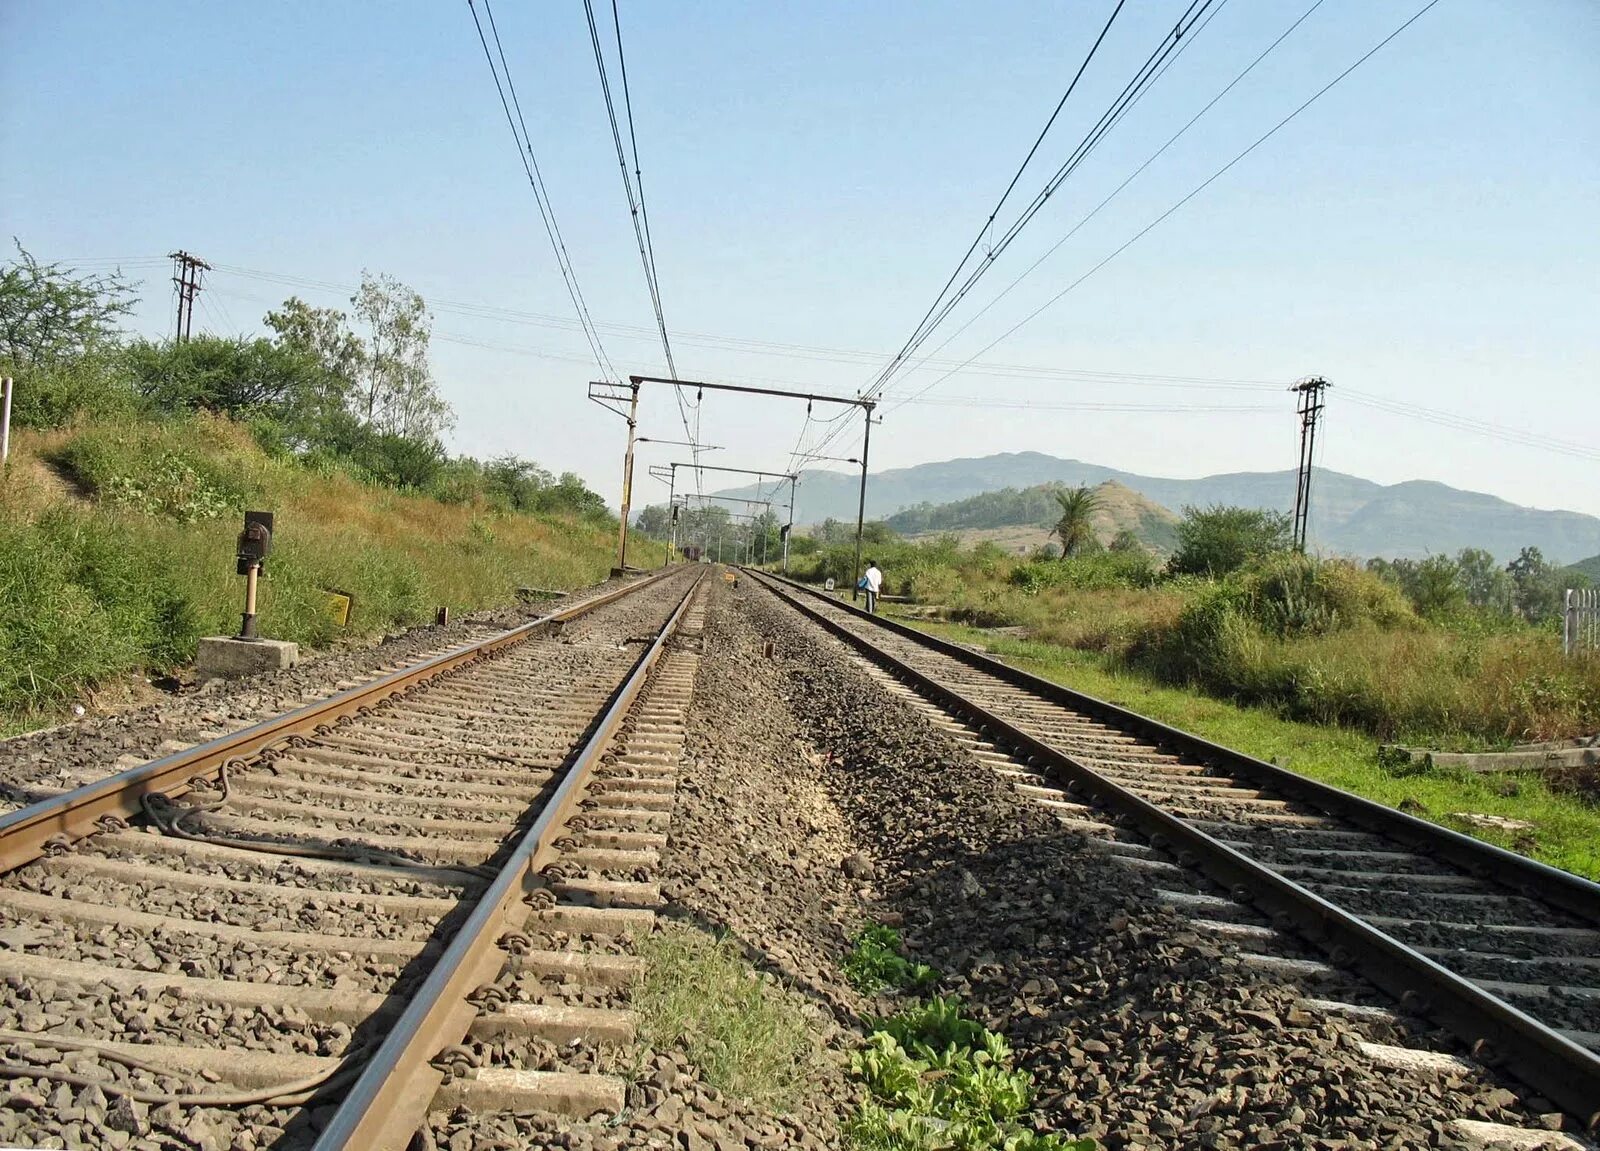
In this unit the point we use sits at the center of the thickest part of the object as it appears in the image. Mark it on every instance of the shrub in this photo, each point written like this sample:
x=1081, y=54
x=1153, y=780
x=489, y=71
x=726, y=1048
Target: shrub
x=1219, y=540
x=91, y=387
x=877, y=963
x=1104, y=569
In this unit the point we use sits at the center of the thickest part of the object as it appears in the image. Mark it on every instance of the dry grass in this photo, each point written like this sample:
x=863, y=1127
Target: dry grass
x=92, y=588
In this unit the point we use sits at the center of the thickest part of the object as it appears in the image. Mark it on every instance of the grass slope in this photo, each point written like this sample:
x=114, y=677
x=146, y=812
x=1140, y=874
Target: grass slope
x=1565, y=833
x=117, y=543
x=1020, y=521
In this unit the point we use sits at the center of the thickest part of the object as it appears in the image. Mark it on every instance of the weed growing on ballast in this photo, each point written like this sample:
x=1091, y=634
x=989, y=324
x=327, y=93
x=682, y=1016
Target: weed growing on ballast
x=877, y=963
x=939, y=1079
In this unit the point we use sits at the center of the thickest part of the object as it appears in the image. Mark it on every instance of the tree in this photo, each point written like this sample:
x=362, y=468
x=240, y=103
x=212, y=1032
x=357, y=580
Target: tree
x=1536, y=586
x=654, y=521
x=1218, y=540
x=1482, y=580
x=1436, y=589
x=1074, y=527
x=395, y=392
x=1126, y=542
x=239, y=377
x=322, y=335
x=50, y=313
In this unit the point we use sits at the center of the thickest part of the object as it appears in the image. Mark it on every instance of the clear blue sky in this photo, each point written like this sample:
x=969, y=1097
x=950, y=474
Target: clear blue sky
x=1429, y=231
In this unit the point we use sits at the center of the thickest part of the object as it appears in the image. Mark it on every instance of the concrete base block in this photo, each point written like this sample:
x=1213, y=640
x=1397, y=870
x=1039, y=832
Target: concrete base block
x=223, y=657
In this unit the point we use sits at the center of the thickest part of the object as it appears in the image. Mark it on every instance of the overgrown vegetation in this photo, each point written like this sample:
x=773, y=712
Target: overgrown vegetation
x=1453, y=650
x=700, y=994
x=937, y=1078
x=133, y=459
x=1562, y=828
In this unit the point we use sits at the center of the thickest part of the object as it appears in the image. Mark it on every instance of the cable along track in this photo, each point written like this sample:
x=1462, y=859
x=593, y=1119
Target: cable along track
x=1501, y=950
x=292, y=934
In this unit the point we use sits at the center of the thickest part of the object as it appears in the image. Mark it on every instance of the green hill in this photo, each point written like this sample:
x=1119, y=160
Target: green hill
x=1589, y=567
x=1020, y=519
x=117, y=552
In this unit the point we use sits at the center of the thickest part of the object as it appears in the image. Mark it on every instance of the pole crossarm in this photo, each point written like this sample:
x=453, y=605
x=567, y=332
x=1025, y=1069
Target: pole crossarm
x=726, y=499
x=818, y=397
x=613, y=397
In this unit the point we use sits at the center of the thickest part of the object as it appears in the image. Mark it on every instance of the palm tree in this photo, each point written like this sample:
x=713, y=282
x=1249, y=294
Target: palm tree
x=1077, y=505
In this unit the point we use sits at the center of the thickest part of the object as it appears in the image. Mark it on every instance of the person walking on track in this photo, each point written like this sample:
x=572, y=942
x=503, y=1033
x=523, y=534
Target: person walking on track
x=872, y=584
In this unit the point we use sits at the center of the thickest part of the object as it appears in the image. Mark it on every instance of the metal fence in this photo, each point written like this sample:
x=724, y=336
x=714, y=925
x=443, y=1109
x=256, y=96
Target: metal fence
x=1580, y=621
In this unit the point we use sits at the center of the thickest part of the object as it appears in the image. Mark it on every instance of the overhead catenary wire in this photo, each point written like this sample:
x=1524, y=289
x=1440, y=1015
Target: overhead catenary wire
x=1201, y=187
x=530, y=166
x=637, y=210
x=1172, y=42
x=1010, y=186
x=1135, y=174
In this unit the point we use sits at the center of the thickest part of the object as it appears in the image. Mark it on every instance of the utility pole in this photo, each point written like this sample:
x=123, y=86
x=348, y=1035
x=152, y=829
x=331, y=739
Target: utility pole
x=186, y=270
x=611, y=396
x=1308, y=405
x=861, y=506
x=789, y=527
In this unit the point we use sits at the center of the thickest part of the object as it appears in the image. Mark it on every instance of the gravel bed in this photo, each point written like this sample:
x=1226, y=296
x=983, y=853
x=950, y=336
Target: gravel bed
x=265, y=869
x=1138, y=1031
x=176, y=953
x=43, y=1113
x=162, y=1016
x=258, y=910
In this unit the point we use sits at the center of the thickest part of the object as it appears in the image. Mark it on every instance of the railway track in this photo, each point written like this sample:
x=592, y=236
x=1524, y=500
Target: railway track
x=1314, y=886
x=339, y=926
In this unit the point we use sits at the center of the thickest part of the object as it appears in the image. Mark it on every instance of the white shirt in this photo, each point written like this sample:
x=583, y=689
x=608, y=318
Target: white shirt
x=874, y=579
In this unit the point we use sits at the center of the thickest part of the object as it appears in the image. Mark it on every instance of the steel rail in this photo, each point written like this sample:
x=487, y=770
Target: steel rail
x=1497, y=1033
x=1516, y=872
x=385, y=1106
x=29, y=832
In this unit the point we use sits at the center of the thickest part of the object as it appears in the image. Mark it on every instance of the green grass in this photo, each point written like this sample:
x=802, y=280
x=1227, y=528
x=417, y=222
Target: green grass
x=877, y=962
x=936, y=1078
x=1565, y=833
x=744, y=1034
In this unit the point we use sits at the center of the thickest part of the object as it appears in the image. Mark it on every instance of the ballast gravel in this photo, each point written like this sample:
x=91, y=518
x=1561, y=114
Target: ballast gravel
x=91, y=748
x=1139, y=1031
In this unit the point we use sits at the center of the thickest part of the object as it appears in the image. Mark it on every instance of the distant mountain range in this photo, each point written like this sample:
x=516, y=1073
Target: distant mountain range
x=1350, y=515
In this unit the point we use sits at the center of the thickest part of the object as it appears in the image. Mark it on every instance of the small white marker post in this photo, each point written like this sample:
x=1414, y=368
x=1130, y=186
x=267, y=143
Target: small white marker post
x=5, y=420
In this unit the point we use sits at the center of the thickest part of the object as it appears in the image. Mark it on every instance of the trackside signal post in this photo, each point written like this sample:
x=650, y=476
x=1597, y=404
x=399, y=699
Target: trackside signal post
x=864, y=403
x=247, y=653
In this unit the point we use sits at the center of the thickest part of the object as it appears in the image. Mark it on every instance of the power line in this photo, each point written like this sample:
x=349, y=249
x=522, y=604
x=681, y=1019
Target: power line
x=1136, y=173
x=530, y=166
x=1213, y=178
x=1130, y=94
x=906, y=349
x=806, y=352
